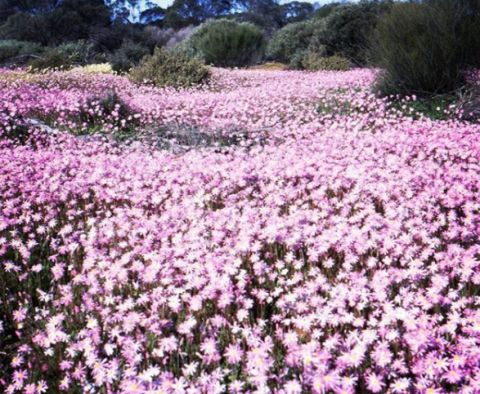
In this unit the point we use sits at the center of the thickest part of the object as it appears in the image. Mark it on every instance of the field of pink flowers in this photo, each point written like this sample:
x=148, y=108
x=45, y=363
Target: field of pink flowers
x=333, y=249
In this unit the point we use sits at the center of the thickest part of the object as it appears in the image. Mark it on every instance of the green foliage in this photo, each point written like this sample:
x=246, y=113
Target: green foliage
x=54, y=22
x=439, y=107
x=228, y=43
x=314, y=62
x=296, y=61
x=25, y=27
x=127, y=56
x=74, y=20
x=79, y=52
x=349, y=29
x=193, y=12
x=425, y=48
x=170, y=68
x=289, y=43
x=11, y=49
x=326, y=10
x=51, y=59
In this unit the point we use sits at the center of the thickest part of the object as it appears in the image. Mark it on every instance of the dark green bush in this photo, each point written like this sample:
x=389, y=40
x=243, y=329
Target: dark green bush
x=127, y=56
x=349, y=29
x=315, y=62
x=425, y=48
x=170, y=68
x=22, y=26
x=296, y=61
x=51, y=59
x=289, y=43
x=227, y=43
x=10, y=50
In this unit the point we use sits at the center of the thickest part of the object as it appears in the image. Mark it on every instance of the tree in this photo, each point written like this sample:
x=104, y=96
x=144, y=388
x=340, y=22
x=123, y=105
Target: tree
x=153, y=15
x=22, y=26
x=53, y=22
x=193, y=12
x=266, y=14
x=296, y=11
x=75, y=19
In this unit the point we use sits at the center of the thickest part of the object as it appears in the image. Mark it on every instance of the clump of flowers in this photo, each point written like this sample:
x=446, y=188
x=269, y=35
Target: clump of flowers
x=339, y=256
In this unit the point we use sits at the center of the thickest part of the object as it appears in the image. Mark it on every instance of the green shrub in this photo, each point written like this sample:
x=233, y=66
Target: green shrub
x=127, y=56
x=315, y=62
x=79, y=52
x=290, y=42
x=51, y=59
x=425, y=48
x=11, y=49
x=349, y=29
x=296, y=61
x=23, y=26
x=170, y=68
x=227, y=43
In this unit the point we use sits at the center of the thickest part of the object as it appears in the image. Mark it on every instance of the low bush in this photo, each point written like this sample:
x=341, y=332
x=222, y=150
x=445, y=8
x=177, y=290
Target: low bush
x=17, y=51
x=51, y=59
x=79, y=52
x=314, y=62
x=289, y=44
x=227, y=43
x=170, y=68
x=127, y=56
x=426, y=48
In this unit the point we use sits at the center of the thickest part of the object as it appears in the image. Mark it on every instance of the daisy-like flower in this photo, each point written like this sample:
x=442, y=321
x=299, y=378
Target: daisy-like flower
x=374, y=383
x=401, y=385
x=293, y=387
x=323, y=383
x=233, y=353
x=453, y=376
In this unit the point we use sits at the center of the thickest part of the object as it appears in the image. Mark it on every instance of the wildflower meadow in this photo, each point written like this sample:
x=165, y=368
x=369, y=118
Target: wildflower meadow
x=267, y=232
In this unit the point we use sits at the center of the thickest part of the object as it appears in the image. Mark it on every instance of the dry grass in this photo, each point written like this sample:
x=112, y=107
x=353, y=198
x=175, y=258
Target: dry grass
x=270, y=66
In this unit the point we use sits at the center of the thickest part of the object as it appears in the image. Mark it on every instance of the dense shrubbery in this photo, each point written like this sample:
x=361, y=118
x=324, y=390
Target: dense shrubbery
x=426, y=48
x=170, y=68
x=293, y=40
x=17, y=51
x=344, y=30
x=51, y=59
x=79, y=52
x=228, y=43
x=349, y=29
x=127, y=56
